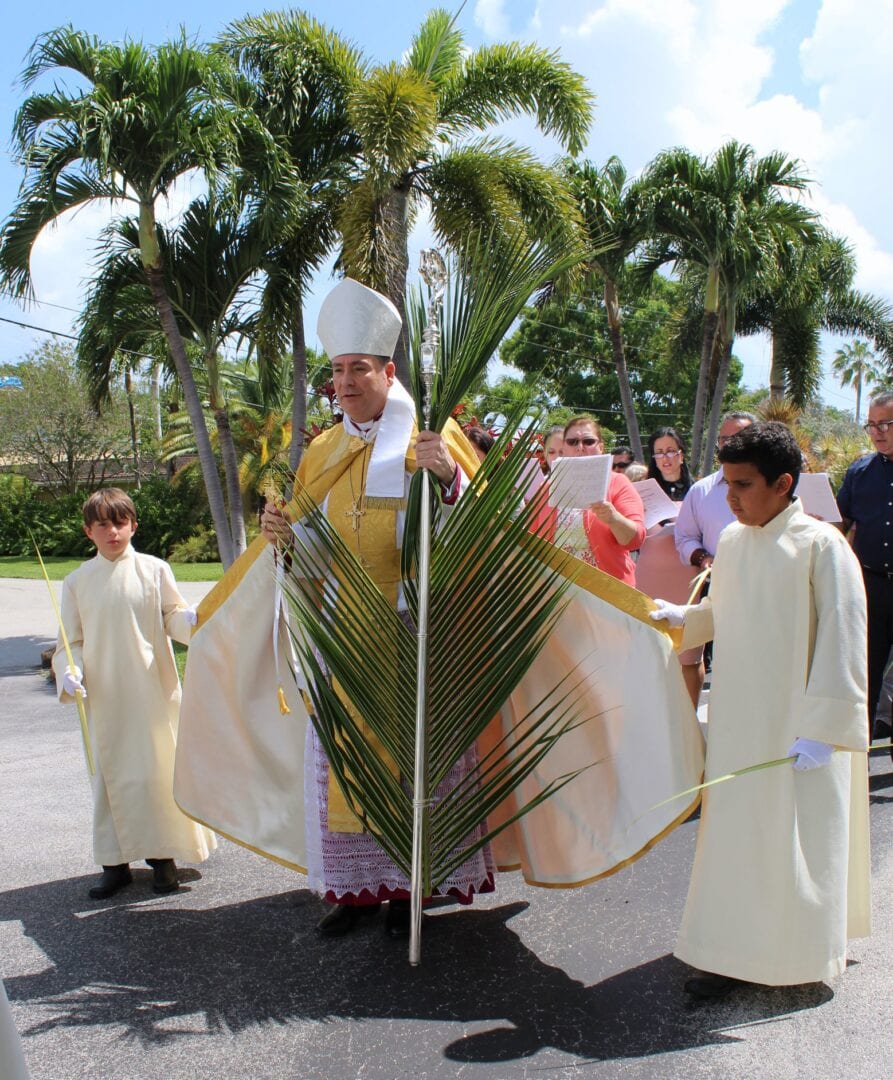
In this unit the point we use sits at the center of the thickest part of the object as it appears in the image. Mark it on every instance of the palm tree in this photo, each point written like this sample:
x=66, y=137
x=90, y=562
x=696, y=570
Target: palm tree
x=302, y=74
x=727, y=216
x=810, y=291
x=410, y=118
x=209, y=259
x=614, y=223
x=146, y=118
x=854, y=365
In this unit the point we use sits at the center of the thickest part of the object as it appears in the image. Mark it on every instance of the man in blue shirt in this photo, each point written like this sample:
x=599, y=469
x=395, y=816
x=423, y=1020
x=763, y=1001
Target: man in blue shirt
x=865, y=500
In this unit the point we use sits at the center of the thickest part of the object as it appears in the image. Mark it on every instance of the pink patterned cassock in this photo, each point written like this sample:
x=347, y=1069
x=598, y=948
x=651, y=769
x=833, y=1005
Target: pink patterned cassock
x=350, y=868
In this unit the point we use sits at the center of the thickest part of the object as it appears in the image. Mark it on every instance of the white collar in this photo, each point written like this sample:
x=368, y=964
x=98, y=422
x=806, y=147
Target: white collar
x=392, y=433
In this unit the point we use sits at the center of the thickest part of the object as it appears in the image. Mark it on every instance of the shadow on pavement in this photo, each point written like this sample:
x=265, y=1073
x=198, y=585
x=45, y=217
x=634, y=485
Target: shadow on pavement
x=162, y=972
x=21, y=655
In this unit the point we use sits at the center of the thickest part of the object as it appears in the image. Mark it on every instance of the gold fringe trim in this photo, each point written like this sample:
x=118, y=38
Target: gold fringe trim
x=283, y=704
x=227, y=585
x=287, y=863
x=621, y=865
x=379, y=502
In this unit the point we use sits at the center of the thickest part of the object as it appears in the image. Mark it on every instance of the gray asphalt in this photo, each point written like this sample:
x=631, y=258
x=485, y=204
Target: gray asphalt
x=226, y=978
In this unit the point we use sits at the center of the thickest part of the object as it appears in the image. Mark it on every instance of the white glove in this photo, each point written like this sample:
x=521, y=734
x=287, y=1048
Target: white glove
x=673, y=613
x=191, y=616
x=810, y=754
x=71, y=682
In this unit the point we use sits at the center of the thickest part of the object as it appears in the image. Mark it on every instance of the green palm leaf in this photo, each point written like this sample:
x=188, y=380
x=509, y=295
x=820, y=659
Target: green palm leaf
x=494, y=600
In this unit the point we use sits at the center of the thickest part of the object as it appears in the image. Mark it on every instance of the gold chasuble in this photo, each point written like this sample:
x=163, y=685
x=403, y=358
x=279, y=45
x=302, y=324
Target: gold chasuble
x=240, y=761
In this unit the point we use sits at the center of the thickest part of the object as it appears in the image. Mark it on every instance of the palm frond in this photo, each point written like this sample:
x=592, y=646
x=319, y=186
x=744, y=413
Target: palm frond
x=495, y=594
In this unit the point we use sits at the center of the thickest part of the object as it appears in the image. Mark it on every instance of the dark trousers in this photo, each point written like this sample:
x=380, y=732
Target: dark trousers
x=879, y=590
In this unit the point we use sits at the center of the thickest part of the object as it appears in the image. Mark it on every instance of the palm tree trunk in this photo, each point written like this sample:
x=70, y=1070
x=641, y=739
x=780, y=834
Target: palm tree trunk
x=395, y=214
x=725, y=360
x=711, y=321
x=207, y=461
x=134, y=430
x=776, y=372
x=231, y=472
x=858, y=382
x=612, y=307
x=156, y=401
x=299, y=388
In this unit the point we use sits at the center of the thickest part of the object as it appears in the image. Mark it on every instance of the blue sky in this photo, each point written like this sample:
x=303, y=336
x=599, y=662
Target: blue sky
x=810, y=77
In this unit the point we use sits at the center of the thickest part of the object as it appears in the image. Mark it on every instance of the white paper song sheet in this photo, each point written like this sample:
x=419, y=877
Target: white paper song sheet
x=658, y=504
x=818, y=500
x=578, y=482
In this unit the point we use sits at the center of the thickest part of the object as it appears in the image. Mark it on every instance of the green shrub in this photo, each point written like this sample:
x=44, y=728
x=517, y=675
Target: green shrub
x=168, y=513
x=198, y=548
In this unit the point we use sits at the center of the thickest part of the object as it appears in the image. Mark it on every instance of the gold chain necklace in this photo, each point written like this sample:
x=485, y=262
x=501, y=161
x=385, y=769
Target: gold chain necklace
x=357, y=509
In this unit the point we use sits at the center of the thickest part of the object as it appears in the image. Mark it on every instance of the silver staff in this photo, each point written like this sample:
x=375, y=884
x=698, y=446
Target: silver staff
x=433, y=272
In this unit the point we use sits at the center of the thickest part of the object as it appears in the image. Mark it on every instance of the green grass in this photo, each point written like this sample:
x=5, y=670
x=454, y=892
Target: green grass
x=21, y=566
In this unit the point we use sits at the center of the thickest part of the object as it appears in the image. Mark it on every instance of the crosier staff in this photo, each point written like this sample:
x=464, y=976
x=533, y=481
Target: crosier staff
x=433, y=273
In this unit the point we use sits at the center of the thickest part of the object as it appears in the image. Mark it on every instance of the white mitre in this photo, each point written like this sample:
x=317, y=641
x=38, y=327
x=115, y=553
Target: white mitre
x=356, y=319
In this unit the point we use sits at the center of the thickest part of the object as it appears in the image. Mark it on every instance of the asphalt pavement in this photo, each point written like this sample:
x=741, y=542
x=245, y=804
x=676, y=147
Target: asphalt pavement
x=226, y=978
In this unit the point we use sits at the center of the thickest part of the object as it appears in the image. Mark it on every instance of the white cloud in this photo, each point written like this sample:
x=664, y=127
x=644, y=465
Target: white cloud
x=491, y=17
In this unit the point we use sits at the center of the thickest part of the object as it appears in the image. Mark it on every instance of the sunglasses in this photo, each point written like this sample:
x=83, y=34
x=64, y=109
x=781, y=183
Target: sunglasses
x=621, y=466
x=588, y=441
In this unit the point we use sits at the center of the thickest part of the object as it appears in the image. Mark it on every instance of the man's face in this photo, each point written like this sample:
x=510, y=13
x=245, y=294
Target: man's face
x=361, y=384
x=754, y=501
x=730, y=428
x=582, y=441
x=883, y=441
x=621, y=462
x=111, y=540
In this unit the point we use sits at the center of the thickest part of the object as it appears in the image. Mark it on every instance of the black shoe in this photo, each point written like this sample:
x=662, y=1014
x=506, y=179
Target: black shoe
x=164, y=876
x=113, y=878
x=707, y=985
x=398, y=919
x=342, y=918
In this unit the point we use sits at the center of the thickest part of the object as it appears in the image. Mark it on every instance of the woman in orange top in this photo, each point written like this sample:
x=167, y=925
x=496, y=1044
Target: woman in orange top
x=605, y=533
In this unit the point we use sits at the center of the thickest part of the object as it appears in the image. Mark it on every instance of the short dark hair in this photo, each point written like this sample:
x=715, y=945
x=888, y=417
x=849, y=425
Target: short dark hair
x=770, y=446
x=623, y=449
x=480, y=438
x=109, y=504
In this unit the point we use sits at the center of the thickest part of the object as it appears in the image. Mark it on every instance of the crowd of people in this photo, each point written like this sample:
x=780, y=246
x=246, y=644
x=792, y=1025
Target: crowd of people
x=780, y=879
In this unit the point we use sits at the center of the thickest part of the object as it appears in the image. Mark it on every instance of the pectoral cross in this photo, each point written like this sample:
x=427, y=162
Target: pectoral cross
x=356, y=513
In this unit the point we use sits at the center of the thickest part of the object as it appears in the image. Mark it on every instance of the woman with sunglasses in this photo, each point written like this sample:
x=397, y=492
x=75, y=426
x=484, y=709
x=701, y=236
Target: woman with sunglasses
x=605, y=533
x=666, y=463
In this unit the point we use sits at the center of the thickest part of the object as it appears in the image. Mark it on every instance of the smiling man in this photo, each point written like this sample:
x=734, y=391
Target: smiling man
x=358, y=472
x=865, y=500
x=781, y=876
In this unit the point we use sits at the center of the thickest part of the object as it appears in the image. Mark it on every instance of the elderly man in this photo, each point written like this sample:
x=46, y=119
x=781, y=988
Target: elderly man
x=865, y=500
x=702, y=517
x=359, y=472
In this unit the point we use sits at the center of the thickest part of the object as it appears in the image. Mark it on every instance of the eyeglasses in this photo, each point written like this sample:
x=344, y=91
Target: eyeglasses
x=667, y=453
x=621, y=466
x=589, y=441
x=882, y=427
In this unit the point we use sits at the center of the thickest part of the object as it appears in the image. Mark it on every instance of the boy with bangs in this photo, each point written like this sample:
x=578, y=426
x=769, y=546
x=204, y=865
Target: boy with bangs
x=120, y=610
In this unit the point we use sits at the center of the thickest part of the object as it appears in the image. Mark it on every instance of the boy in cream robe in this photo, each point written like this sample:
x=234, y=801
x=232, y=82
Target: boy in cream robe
x=781, y=872
x=119, y=610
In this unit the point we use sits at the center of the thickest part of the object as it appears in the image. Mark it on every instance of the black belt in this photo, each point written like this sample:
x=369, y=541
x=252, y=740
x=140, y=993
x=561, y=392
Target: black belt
x=888, y=574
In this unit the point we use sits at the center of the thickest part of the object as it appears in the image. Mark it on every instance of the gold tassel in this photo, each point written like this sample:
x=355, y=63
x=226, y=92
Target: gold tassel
x=283, y=704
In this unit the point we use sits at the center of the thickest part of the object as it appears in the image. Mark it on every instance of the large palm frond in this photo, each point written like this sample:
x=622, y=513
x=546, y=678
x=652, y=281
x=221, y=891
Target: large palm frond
x=494, y=598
